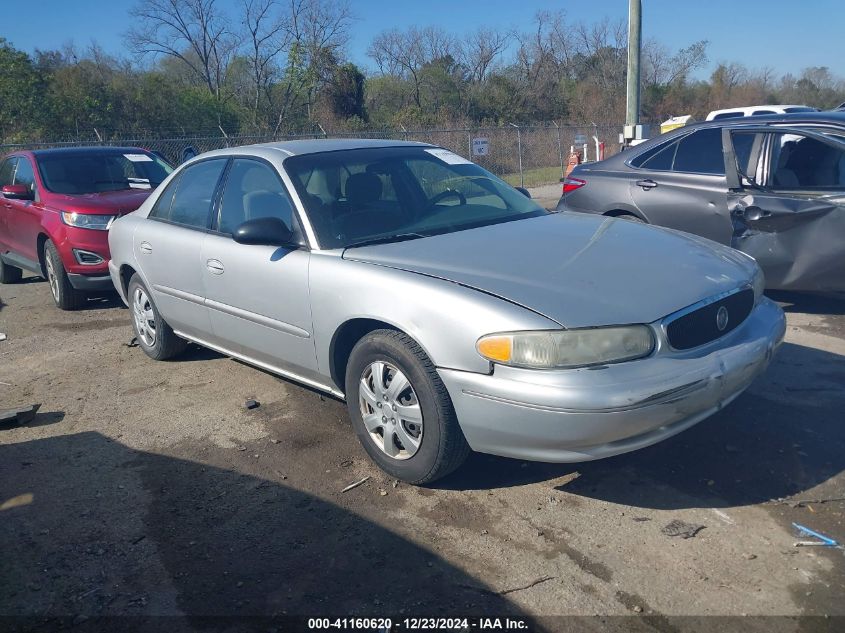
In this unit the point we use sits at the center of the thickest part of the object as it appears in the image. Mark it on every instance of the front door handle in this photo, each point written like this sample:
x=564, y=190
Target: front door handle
x=215, y=266
x=646, y=184
x=146, y=248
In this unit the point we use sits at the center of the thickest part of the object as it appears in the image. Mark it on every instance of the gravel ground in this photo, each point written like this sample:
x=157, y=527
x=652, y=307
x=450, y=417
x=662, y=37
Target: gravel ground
x=148, y=488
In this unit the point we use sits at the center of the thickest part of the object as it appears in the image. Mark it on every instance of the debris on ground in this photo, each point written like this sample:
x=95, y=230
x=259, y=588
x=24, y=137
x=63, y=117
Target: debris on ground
x=252, y=404
x=528, y=586
x=680, y=528
x=749, y=556
x=2, y=336
x=641, y=519
x=723, y=516
x=346, y=463
x=274, y=441
x=800, y=503
x=354, y=485
x=133, y=342
x=566, y=479
x=823, y=541
x=19, y=415
x=382, y=492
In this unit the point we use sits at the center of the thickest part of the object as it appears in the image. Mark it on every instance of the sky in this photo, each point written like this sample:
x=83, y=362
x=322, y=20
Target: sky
x=785, y=35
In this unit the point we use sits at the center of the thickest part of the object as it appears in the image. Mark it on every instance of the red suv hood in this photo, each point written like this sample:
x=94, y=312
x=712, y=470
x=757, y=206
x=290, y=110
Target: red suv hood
x=106, y=202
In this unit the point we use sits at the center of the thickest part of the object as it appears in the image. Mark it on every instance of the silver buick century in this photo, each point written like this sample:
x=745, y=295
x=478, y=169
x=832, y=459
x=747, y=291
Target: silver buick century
x=449, y=310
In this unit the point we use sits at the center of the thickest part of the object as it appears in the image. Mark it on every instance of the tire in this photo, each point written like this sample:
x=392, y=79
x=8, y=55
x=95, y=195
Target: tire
x=9, y=274
x=64, y=294
x=154, y=335
x=440, y=445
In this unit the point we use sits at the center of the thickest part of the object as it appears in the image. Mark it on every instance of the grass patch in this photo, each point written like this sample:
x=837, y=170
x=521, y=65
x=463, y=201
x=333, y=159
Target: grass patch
x=535, y=177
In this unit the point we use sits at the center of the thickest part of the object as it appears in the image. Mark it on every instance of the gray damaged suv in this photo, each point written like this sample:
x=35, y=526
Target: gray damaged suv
x=450, y=311
x=770, y=186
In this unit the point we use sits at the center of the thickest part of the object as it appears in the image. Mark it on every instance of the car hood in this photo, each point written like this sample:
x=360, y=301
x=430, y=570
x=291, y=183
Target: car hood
x=106, y=202
x=577, y=269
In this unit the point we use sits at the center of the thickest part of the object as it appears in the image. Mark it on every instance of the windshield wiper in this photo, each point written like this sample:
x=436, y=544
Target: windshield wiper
x=385, y=239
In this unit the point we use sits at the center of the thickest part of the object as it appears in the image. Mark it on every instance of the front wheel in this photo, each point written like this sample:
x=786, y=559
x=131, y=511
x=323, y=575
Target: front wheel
x=401, y=410
x=64, y=294
x=154, y=335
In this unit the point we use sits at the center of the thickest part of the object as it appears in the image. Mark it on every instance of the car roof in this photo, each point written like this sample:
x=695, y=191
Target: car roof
x=830, y=117
x=87, y=149
x=749, y=109
x=315, y=146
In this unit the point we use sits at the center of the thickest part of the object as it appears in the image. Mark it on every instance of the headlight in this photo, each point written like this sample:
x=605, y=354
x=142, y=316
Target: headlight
x=758, y=283
x=87, y=220
x=550, y=349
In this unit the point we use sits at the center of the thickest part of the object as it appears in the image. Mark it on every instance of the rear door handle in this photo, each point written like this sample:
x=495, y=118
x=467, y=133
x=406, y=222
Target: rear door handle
x=146, y=248
x=215, y=266
x=646, y=184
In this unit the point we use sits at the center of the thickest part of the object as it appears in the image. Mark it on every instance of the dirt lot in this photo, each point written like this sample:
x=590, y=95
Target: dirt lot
x=148, y=488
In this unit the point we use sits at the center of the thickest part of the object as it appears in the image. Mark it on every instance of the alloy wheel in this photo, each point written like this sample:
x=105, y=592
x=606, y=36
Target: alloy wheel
x=52, y=278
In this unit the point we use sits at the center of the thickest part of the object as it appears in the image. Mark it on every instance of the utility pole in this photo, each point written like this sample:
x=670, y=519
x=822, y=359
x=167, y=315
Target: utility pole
x=635, y=34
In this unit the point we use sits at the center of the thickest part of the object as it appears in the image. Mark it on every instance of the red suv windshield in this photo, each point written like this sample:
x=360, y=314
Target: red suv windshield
x=95, y=172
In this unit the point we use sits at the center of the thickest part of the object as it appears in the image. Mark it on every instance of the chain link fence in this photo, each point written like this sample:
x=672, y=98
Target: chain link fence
x=524, y=155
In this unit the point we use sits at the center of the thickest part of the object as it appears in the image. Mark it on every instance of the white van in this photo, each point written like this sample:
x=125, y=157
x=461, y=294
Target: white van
x=735, y=113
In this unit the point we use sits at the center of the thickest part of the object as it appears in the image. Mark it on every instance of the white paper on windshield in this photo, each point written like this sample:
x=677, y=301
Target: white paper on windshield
x=450, y=158
x=138, y=158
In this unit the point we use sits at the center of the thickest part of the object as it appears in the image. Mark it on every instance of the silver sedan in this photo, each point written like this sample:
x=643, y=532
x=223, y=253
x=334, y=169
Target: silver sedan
x=449, y=310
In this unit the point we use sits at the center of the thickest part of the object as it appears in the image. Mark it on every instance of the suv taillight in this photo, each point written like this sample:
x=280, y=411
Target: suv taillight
x=571, y=184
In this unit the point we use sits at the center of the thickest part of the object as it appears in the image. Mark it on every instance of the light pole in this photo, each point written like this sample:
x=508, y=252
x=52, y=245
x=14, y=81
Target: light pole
x=635, y=34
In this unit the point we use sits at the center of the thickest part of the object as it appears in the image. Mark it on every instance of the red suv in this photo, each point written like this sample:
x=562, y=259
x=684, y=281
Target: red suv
x=56, y=209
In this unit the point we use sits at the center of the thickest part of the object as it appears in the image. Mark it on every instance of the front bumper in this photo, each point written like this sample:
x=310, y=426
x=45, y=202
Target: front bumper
x=584, y=414
x=91, y=283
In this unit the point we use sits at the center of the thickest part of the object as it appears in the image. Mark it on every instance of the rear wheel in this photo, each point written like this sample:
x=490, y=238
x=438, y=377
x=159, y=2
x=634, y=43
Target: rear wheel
x=401, y=410
x=9, y=274
x=154, y=335
x=64, y=294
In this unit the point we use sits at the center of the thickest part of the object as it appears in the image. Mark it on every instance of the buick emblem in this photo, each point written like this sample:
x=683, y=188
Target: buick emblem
x=722, y=318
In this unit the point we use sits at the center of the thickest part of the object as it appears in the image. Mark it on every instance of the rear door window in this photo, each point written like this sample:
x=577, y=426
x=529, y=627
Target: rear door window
x=697, y=153
x=193, y=196
x=701, y=153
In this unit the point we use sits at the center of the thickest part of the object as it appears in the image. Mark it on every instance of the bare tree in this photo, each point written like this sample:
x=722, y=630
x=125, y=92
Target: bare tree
x=481, y=50
x=405, y=53
x=267, y=36
x=317, y=33
x=192, y=31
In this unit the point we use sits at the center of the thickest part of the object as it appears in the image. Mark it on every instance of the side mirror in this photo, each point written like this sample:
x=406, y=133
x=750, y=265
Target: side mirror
x=264, y=231
x=17, y=192
x=524, y=192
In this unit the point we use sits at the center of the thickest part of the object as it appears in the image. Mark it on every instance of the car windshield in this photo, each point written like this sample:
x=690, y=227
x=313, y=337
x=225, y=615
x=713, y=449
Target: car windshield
x=96, y=172
x=384, y=194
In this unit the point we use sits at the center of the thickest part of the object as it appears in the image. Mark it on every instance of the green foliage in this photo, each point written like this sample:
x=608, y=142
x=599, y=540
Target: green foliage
x=56, y=95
